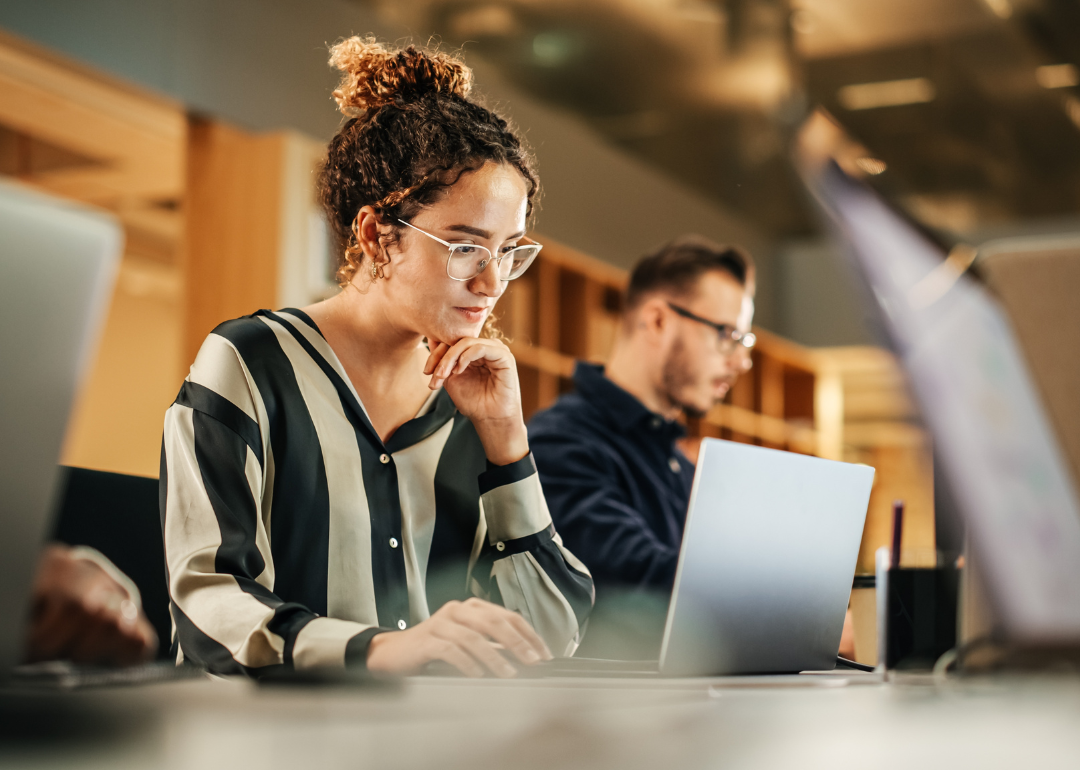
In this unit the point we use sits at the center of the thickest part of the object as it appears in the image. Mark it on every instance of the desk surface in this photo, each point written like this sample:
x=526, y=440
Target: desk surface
x=832, y=723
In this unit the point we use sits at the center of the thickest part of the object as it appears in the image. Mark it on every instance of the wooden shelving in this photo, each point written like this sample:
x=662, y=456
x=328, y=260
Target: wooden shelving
x=568, y=307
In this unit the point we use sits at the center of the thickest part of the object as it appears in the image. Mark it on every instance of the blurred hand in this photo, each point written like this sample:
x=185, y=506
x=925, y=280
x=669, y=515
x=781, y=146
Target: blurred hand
x=467, y=635
x=481, y=377
x=81, y=613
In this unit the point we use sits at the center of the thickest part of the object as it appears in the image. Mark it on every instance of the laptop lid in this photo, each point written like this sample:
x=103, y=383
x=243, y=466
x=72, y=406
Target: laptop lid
x=1035, y=279
x=57, y=265
x=1000, y=458
x=767, y=560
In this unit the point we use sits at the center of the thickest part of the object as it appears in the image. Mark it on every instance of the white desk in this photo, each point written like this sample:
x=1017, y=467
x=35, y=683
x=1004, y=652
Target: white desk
x=616, y=724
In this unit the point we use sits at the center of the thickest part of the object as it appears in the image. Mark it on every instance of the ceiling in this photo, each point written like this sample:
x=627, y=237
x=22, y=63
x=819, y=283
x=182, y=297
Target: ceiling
x=947, y=95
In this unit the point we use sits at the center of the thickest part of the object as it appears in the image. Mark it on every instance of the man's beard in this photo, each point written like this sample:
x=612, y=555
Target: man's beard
x=676, y=375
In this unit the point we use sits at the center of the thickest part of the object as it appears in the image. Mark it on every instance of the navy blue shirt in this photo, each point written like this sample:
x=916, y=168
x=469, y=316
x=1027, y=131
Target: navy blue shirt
x=616, y=485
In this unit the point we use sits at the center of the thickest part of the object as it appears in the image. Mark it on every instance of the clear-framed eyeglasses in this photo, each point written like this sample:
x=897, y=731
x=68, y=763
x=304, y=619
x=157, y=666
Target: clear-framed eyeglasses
x=730, y=337
x=468, y=260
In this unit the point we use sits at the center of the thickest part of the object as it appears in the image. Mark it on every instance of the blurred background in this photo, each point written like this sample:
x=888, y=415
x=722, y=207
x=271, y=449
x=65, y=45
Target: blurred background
x=199, y=122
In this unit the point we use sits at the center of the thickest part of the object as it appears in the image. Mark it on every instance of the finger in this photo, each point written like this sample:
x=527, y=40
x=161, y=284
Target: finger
x=478, y=646
x=123, y=641
x=503, y=632
x=496, y=358
x=53, y=632
x=118, y=648
x=458, y=658
x=448, y=361
x=148, y=638
x=91, y=643
x=507, y=628
x=529, y=633
x=450, y=358
x=438, y=350
x=472, y=355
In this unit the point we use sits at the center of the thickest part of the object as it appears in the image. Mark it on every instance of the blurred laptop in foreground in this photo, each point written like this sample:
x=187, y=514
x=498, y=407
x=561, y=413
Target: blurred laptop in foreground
x=1002, y=464
x=56, y=275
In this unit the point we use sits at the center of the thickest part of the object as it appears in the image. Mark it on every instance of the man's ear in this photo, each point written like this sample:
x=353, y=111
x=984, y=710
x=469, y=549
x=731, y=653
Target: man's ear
x=653, y=317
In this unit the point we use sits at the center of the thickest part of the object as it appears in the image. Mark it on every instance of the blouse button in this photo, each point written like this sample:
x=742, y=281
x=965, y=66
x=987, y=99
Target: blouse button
x=673, y=463
x=393, y=542
x=501, y=546
x=384, y=459
x=401, y=624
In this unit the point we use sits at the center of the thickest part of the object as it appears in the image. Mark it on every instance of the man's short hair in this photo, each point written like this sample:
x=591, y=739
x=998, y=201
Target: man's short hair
x=677, y=266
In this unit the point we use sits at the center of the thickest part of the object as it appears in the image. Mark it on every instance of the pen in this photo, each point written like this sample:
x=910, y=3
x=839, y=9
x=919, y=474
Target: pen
x=897, y=531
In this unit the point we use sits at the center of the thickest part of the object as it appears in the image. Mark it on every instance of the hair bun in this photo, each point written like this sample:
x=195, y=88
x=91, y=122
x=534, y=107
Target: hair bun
x=374, y=75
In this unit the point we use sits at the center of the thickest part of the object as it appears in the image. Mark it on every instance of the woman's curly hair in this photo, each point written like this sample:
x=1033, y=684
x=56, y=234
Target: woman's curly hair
x=412, y=132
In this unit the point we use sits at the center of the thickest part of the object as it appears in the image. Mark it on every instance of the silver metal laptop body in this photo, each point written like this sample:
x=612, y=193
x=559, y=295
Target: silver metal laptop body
x=57, y=266
x=767, y=559
x=1002, y=462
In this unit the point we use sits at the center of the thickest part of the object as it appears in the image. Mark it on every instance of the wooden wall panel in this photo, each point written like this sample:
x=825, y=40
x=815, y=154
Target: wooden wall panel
x=232, y=234
x=902, y=473
x=137, y=138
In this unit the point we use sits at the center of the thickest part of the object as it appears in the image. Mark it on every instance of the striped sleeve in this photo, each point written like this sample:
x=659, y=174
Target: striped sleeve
x=531, y=572
x=215, y=522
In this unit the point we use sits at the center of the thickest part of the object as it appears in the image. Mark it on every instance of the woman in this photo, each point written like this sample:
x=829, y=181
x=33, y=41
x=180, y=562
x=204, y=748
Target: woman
x=351, y=483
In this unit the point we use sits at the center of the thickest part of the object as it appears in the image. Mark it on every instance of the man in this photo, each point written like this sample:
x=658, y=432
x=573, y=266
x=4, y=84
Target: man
x=617, y=484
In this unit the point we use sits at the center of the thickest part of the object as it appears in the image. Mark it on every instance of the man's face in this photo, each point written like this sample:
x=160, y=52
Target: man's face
x=698, y=369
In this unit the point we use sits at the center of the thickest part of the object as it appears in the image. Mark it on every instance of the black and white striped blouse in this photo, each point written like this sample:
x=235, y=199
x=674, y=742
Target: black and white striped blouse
x=293, y=534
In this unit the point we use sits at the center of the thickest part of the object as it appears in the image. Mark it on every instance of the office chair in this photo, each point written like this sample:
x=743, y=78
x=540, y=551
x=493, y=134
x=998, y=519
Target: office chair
x=118, y=515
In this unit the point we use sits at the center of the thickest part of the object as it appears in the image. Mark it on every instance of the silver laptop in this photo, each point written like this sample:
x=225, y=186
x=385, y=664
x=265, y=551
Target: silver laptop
x=767, y=561
x=58, y=262
x=765, y=569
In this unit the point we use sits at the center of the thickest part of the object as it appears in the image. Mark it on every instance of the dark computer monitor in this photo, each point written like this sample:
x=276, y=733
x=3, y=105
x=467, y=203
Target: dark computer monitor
x=998, y=453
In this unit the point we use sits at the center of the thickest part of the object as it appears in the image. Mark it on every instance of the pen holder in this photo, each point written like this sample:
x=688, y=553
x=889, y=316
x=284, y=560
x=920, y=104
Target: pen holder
x=917, y=615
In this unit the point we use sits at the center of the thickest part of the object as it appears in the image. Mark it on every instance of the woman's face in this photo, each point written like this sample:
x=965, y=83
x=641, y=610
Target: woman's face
x=484, y=207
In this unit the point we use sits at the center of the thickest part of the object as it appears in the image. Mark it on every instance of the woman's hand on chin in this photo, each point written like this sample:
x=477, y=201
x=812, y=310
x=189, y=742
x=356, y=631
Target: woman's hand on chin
x=468, y=635
x=481, y=377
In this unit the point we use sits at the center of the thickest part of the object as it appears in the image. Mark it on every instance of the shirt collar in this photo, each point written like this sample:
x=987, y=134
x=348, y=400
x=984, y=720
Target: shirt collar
x=619, y=407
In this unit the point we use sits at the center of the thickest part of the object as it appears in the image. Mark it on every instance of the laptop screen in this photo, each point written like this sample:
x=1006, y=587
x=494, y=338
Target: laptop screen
x=1000, y=456
x=57, y=266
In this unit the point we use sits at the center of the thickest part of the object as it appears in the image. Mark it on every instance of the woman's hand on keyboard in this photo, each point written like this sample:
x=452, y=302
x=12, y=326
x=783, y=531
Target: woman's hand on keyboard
x=468, y=635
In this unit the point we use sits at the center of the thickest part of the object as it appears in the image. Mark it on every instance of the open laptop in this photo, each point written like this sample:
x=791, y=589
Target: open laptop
x=58, y=262
x=1002, y=463
x=765, y=568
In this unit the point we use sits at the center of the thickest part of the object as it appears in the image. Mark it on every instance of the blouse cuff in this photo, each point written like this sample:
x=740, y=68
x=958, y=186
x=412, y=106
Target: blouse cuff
x=356, y=649
x=501, y=475
x=513, y=502
x=331, y=642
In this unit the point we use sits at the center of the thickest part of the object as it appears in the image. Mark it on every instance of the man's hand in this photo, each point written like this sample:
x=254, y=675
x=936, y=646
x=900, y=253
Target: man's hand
x=80, y=613
x=467, y=635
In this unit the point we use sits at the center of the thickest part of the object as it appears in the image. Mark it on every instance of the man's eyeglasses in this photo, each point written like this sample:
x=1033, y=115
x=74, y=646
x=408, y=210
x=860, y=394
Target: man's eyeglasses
x=730, y=337
x=468, y=260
